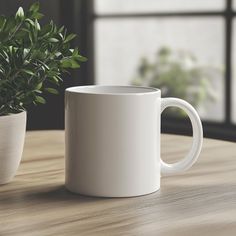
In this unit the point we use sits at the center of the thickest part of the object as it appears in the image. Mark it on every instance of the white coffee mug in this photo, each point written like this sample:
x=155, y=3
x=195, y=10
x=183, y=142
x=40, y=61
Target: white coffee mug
x=112, y=136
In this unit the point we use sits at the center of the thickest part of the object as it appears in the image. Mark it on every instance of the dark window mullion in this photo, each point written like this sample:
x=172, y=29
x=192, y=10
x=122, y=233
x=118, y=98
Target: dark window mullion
x=161, y=14
x=228, y=49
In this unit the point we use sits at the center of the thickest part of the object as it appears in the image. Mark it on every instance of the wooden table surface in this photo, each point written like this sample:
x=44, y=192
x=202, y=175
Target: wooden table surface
x=201, y=201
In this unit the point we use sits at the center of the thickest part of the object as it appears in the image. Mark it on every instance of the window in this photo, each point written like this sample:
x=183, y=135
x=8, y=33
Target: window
x=183, y=47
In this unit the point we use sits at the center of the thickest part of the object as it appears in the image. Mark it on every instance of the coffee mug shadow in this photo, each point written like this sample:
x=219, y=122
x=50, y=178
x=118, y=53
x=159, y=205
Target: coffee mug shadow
x=60, y=193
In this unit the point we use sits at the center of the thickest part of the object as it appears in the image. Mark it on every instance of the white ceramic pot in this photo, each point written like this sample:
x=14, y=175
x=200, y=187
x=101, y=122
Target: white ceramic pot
x=12, y=136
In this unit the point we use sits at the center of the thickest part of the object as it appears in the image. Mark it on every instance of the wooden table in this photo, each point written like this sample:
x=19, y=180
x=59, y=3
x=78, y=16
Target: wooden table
x=202, y=201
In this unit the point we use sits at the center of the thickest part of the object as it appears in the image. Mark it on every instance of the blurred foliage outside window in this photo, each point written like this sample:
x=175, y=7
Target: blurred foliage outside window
x=178, y=74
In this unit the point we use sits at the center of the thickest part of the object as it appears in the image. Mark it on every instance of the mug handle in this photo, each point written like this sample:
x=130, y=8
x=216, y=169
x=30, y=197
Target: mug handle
x=191, y=157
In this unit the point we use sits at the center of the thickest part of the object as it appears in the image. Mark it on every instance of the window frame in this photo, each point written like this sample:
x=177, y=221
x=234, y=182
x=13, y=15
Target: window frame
x=220, y=130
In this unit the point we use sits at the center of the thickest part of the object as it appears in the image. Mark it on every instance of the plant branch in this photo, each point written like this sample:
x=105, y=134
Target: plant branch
x=16, y=30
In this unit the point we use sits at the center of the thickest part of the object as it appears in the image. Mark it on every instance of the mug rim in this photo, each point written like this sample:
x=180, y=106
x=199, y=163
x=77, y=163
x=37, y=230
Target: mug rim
x=114, y=90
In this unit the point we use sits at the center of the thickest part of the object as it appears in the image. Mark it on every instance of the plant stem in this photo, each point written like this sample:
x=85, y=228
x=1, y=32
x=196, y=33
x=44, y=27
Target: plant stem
x=16, y=30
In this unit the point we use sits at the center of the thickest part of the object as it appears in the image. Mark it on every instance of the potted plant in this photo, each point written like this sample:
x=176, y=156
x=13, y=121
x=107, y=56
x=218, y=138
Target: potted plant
x=32, y=60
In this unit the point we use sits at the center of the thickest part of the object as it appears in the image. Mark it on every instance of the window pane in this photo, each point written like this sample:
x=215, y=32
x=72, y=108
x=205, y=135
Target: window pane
x=234, y=5
x=182, y=56
x=134, y=6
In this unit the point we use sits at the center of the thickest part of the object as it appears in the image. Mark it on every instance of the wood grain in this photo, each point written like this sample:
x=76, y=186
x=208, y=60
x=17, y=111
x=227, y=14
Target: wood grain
x=202, y=201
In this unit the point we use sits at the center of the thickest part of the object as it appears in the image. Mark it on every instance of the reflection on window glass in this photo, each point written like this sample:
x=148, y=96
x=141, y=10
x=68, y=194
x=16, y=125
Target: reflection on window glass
x=134, y=6
x=182, y=57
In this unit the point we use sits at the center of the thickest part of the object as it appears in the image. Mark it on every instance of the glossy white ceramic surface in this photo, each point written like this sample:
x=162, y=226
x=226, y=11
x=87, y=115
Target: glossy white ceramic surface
x=112, y=136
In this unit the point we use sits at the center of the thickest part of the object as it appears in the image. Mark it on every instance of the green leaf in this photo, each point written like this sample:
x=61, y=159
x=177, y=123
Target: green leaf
x=57, y=54
x=2, y=22
x=31, y=37
x=69, y=38
x=51, y=90
x=66, y=63
x=39, y=86
x=29, y=72
x=53, y=80
x=37, y=91
x=37, y=25
x=81, y=58
x=34, y=7
x=75, y=51
x=29, y=21
x=20, y=13
x=57, y=78
x=37, y=15
x=40, y=99
x=44, y=64
x=61, y=29
x=53, y=40
x=75, y=65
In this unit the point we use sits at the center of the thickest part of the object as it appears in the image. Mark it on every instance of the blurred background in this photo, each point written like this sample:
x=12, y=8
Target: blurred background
x=185, y=48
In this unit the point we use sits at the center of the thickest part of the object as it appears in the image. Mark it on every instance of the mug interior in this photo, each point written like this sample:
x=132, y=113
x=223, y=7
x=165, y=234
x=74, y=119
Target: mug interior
x=115, y=90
